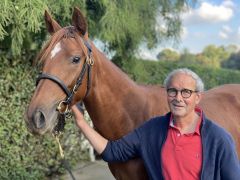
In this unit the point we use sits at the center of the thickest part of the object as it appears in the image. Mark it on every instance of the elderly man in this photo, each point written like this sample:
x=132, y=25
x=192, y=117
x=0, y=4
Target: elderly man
x=183, y=144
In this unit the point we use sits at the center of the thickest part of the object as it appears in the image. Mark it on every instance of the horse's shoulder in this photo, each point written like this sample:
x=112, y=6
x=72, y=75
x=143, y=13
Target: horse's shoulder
x=225, y=89
x=226, y=94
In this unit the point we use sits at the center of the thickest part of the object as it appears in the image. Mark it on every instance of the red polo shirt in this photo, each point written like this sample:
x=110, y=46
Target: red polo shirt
x=182, y=153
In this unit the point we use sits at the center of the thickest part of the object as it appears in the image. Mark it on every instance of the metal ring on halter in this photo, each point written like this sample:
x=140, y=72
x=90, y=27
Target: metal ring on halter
x=75, y=88
x=90, y=60
x=60, y=107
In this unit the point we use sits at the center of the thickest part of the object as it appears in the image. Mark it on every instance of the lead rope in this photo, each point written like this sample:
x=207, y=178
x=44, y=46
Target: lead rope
x=57, y=133
x=59, y=146
x=63, y=160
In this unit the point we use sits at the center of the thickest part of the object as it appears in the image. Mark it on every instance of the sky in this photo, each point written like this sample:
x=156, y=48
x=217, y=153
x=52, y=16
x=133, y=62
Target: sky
x=214, y=22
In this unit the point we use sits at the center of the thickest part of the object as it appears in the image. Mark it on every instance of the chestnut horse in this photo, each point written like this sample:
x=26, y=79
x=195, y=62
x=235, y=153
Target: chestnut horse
x=73, y=66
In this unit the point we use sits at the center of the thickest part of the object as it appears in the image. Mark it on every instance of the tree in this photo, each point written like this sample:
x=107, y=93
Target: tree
x=22, y=28
x=168, y=55
x=121, y=24
x=213, y=55
x=233, y=62
x=187, y=57
x=232, y=48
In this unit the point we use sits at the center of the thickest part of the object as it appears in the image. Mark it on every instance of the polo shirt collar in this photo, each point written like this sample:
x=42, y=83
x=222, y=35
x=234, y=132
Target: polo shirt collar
x=197, y=129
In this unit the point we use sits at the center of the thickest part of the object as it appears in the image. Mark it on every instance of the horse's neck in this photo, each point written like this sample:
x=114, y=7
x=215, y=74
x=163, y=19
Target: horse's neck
x=115, y=102
x=108, y=78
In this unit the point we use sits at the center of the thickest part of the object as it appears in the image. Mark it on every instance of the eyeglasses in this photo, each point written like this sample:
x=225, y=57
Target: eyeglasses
x=186, y=93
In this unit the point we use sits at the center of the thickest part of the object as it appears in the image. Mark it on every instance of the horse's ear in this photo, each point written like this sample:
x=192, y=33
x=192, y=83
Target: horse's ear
x=79, y=21
x=52, y=25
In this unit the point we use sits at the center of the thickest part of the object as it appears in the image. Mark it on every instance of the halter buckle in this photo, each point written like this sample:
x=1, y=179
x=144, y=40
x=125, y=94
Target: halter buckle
x=90, y=60
x=75, y=88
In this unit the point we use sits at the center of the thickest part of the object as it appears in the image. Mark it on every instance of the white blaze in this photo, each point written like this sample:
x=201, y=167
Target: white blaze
x=56, y=49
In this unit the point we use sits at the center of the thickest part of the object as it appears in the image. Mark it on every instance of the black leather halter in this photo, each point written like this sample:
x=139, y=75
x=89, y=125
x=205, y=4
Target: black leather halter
x=70, y=93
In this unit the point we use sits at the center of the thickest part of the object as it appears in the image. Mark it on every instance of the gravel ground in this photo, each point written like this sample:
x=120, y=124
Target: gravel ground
x=97, y=170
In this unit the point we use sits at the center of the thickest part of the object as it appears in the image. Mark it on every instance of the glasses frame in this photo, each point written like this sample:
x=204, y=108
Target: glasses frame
x=182, y=91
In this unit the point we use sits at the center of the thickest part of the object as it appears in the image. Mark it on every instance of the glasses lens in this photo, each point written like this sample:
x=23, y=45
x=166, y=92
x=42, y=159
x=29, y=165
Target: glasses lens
x=172, y=92
x=186, y=93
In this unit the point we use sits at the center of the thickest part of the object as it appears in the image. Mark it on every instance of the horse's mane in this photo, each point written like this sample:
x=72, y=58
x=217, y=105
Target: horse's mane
x=66, y=32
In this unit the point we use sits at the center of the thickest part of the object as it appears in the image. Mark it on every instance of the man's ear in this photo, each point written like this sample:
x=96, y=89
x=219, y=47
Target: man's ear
x=198, y=97
x=51, y=24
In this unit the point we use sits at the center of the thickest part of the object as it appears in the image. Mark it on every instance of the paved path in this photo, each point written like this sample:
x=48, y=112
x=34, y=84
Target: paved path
x=97, y=170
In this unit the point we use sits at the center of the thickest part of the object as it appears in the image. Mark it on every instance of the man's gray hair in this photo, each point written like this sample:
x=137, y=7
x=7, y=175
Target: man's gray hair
x=198, y=80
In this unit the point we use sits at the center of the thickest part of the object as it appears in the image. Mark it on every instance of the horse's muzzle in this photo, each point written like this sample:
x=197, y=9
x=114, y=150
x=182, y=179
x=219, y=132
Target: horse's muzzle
x=41, y=120
x=38, y=119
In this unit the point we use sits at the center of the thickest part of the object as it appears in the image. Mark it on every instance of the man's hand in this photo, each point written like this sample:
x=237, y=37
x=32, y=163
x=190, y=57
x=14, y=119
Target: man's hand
x=98, y=142
x=78, y=115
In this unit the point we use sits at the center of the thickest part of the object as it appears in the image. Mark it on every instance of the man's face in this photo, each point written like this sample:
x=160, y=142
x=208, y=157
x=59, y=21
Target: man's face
x=180, y=106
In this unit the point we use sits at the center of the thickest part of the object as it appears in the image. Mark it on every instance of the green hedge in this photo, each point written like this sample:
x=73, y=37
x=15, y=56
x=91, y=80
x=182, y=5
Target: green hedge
x=154, y=72
x=23, y=156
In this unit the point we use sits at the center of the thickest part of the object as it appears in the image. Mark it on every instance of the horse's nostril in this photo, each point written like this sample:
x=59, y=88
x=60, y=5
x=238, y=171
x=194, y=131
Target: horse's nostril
x=39, y=119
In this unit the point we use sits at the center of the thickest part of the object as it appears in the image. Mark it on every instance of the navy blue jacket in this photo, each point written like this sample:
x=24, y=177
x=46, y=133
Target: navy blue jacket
x=220, y=159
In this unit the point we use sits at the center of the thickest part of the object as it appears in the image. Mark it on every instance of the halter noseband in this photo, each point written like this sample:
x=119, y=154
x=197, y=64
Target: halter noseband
x=70, y=93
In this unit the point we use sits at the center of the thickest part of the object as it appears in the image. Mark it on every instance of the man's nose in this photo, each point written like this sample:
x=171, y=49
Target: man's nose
x=178, y=96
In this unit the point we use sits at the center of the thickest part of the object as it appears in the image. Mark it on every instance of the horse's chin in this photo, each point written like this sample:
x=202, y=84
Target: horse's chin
x=52, y=122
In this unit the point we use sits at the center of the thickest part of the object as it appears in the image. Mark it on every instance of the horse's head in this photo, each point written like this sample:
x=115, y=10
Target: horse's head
x=66, y=63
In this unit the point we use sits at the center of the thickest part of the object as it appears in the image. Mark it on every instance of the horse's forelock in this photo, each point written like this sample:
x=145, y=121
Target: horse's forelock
x=67, y=32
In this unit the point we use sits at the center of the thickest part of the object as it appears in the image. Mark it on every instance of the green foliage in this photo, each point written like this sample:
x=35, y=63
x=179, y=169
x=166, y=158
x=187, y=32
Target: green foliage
x=214, y=55
x=22, y=155
x=187, y=58
x=125, y=25
x=5, y=8
x=233, y=62
x=168, y=55
x=211, y=56
x=22, y=27
x=122, y=25
x=152, y=72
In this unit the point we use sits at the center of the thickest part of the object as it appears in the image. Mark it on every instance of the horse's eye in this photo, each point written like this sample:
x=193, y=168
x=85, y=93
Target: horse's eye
x=76, y=59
